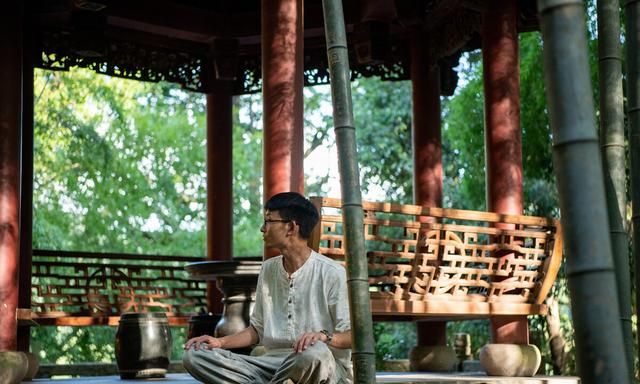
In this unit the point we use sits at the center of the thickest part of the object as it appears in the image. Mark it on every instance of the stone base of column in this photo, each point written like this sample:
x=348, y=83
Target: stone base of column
x=13, y=366
x=433, y=358
x=34, y=365
x=521, y=360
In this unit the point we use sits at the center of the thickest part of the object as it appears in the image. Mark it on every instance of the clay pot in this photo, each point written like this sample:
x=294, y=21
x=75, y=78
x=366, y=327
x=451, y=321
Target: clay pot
x=13, y=367
x=34, y=364
x=143, y=345
x=510, y=359
x=433, y=358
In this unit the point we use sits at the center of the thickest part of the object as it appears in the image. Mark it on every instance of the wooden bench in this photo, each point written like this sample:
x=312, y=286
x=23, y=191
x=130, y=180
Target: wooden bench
x=448, y=263
x=82, y=289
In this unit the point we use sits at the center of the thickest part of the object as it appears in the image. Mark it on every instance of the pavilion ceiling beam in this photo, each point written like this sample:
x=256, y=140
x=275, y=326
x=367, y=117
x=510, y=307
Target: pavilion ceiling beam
x=48, y=6
x=56, y=20
x=474, y=5
x=440, y=13
x=199, y=25
x=155, y=29
x=169, y=15
x=158, y=41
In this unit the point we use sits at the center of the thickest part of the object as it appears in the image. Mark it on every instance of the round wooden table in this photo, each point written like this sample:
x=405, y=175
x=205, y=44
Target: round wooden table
x=237, y=280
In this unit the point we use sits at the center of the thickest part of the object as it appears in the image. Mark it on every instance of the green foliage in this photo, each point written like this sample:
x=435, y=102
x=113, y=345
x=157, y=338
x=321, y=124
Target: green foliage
x=393, y=340
x=478, y=331
x=118, y=166
x=247, y=175
x=463, y=142
x=382, y=112
x=463, y=136
x=68, y=345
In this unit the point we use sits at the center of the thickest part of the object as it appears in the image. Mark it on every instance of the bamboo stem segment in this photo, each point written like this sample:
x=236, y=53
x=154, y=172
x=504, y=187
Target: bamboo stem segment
x=632, y=20
x=579, y=174
x=353, y=216
x=613, y=151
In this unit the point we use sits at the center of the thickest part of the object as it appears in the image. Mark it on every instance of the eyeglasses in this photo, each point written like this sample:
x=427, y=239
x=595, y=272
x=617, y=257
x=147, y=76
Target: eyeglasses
x=266, y=221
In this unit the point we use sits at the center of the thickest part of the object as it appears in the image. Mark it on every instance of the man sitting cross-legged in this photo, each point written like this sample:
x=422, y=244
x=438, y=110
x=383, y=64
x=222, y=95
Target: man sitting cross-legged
x=301, y=313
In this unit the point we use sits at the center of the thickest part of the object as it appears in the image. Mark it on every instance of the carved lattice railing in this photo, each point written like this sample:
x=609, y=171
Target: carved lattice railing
x=448, y=262
x=79, y=288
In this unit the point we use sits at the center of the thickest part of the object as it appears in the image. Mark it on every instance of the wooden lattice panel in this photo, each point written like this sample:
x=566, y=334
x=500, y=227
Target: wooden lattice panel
x=449, y=261
x=66, y=284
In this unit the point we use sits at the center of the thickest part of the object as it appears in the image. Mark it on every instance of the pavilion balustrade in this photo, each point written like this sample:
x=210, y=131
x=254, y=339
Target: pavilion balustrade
x=461, y=264
x=81, y=288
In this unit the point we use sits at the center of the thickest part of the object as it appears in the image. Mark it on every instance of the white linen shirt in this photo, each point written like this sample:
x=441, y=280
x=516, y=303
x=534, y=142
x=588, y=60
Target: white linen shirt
x=313, y=298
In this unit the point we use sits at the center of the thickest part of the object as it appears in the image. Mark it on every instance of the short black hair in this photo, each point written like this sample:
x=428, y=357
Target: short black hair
x=293, y=206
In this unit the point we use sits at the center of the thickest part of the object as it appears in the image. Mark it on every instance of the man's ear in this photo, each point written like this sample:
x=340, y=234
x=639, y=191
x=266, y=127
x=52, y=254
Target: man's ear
x=295, y=227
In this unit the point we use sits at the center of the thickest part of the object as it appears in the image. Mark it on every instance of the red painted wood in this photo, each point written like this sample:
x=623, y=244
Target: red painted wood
x=427, y=142
x=219, y=185
x=502, y=107
x=10, y=121
x=282, y=82
x=427, y=155
x=502, y=132
x=26, y=196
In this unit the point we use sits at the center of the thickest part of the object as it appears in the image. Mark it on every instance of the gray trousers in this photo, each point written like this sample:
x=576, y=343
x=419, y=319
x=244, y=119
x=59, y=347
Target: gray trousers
x=315, y=365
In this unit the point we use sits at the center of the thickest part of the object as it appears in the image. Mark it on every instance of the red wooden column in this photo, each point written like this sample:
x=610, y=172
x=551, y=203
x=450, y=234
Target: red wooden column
x=26, y=193
x=427, y=154
x=219, y=184
x=502, y=133
x=10, y=126
x=282, y=82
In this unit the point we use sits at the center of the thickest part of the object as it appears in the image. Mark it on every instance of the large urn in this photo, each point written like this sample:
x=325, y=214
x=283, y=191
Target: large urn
x=143, y=345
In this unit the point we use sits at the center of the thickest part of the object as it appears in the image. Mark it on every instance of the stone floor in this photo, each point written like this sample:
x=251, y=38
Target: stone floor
x=382, y=377
x=182, y=378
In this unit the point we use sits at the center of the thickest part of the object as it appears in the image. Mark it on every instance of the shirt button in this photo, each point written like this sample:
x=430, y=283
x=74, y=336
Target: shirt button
x=289, y=316
x=290, y=301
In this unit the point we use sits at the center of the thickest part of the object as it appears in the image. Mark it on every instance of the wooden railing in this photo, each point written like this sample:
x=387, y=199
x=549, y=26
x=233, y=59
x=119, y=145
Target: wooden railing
x=449, y=263
x=80, y=288
x=422, y=262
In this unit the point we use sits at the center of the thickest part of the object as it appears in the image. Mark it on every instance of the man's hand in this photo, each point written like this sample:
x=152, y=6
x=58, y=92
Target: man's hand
x=204, y=342
x=308, y=339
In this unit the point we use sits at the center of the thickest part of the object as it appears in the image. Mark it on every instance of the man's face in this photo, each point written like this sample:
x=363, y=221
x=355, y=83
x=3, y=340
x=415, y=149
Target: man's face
x=274, y=229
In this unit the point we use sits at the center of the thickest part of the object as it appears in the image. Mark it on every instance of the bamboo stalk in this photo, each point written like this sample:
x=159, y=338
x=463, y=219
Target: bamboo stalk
x=613, y=151
x=579, y=174
x=632, y=20
x=357, y=269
